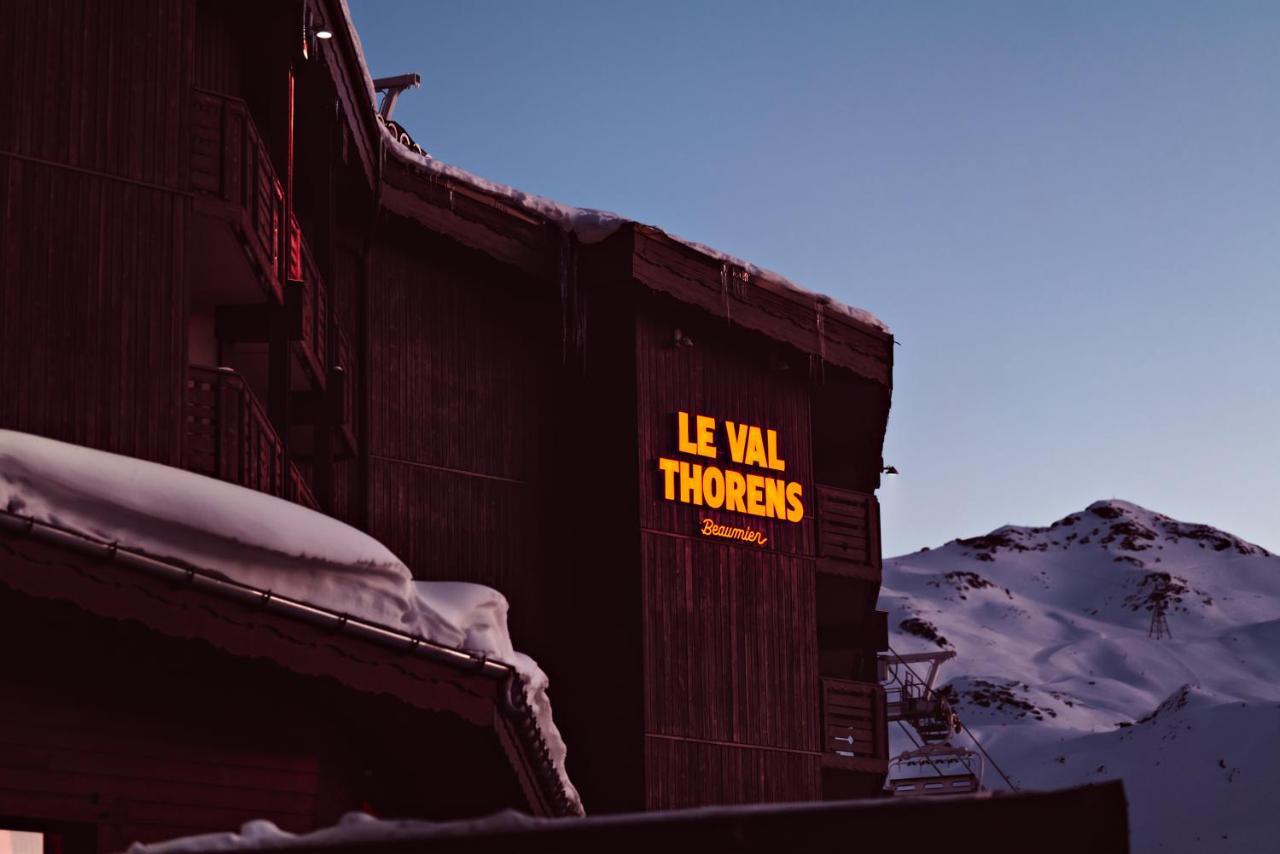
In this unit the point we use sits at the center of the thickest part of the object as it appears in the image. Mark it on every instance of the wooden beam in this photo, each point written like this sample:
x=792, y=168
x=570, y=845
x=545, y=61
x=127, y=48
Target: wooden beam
x=340, y=57
x=794, y=317
x=471, y=218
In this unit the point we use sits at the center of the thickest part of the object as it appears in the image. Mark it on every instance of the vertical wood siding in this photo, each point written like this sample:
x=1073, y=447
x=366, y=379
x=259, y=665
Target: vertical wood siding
x=730, y=644
x=730, y=640
x=92, y=309
x=462, y=363
x=686, y=774
x=462, y=372
x=99, y=86
x=348, y=494
x=448, y=527
x=726, y=376
x=217, y=65
x=94, y=221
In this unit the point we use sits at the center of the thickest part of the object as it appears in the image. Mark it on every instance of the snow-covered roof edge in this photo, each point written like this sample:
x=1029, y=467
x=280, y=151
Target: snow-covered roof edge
x=525, y=706
x=298, y=557
x=587, y=224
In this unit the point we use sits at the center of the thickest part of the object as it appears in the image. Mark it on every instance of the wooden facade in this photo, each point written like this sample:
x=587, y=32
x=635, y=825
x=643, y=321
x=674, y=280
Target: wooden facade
x=142, y=702
x=212, y=256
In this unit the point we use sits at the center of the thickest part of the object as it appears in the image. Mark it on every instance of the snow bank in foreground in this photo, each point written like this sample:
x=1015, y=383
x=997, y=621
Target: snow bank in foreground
x=261, y=541
x=1055, y=672
x=353, y=828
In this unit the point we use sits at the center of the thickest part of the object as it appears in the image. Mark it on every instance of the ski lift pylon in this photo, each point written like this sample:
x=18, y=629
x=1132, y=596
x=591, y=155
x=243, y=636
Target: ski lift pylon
x=912, y=698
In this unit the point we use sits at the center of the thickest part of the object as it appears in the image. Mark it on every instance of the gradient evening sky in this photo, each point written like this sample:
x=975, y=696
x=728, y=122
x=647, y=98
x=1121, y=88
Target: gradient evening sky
x=1068, y=213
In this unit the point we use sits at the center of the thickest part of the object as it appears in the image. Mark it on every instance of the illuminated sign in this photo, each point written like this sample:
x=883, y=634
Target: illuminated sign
x=706, y=485
x=712, y=528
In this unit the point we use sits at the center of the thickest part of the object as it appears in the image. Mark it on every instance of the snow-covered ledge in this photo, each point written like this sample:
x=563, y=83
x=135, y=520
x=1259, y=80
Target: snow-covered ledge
x=264, y=542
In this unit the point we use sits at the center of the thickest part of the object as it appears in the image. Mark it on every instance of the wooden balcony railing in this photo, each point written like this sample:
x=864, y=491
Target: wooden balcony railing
x=298, y=490
x=231, y=167
x=232, y=176
x=311, y=314
x=848, y=532
x=854, y=724
x=228, y=436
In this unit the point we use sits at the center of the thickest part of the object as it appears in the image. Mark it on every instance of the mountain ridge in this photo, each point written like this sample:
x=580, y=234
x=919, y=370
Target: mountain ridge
x=1056, y=675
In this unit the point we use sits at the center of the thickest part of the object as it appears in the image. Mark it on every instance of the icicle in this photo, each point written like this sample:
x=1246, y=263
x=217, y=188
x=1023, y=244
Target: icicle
x=818, y=362
x=565, y=248
x=820, y=322
x=573, y=303
x=724, y=290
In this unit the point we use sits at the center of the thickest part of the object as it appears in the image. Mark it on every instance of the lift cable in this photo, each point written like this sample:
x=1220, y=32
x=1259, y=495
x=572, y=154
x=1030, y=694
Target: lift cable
x=968, y=732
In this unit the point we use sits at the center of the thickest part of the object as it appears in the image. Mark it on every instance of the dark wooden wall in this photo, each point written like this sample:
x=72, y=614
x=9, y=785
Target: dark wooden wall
x=134, y=736
x=62, y=63
x=346, y=289
x=94, y=215
x=464, y=356
x=219, y=61
x=727, y=374
x=688, y=773
x=730, y=657
x=687, y=670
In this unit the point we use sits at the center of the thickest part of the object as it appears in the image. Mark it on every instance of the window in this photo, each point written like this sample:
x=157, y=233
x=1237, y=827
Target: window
x=23, y=842
x=23, y=836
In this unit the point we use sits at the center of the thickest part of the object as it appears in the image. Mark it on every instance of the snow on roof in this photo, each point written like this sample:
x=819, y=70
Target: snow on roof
x=587, y=224
x=592, y=226
x=262, y=541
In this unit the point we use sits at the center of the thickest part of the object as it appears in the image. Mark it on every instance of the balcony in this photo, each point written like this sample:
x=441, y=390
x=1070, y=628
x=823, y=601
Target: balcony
x=239, y=205
x=227, y=435
x=848, y=533
x=310, y=318
x=854, y=726
x=329, y=409
x=246, y=260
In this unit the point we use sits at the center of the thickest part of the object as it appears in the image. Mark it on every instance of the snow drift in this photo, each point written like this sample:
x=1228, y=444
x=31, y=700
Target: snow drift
x=1057, y=676
x=352, y=829
x=262, y=541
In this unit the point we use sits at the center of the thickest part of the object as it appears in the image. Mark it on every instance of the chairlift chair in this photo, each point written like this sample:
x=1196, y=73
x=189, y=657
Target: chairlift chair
x=935, y=769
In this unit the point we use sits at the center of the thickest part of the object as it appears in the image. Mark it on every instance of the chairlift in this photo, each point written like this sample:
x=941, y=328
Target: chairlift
x=935, y=769
x=912, y=698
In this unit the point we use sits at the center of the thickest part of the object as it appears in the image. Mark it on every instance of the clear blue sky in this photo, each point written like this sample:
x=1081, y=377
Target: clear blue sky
x=1069, y=213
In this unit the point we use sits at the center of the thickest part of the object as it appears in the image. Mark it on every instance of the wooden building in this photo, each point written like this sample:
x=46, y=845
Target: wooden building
x=214, y=255
x=141, y=701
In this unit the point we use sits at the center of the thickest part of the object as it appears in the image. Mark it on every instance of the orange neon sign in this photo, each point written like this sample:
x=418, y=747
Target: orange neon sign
x=706, y=485
x=712, y=528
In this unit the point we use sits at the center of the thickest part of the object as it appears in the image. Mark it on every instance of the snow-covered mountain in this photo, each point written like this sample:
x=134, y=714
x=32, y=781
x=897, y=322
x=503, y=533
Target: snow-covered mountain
x=1057, y=677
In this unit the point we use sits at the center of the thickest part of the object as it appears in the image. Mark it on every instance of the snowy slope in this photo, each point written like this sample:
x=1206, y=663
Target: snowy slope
x=1056, y=674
